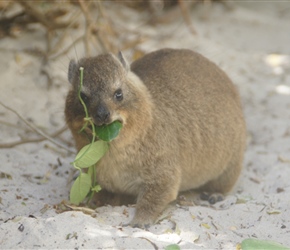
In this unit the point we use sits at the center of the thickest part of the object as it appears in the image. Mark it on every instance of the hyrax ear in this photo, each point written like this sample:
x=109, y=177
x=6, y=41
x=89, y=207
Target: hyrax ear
x=123, y=61
x=71, y=70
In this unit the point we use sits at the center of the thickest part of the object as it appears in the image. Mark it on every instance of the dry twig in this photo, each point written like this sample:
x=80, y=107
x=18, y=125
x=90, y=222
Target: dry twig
x=37, y=130
x=30, y=140
x=48, y=22
x=186, y=16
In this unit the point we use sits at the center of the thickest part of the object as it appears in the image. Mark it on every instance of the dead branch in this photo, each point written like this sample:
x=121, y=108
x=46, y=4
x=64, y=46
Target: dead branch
x=31, y=140
x=67, y=49
x=88, y=26
x=45, y=20
x=59, y=44
x=186, y=16
x=37, y=130
x=93, y=32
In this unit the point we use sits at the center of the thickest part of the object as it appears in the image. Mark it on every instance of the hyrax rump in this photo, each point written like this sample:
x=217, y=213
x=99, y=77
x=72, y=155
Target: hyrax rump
x=183, y=125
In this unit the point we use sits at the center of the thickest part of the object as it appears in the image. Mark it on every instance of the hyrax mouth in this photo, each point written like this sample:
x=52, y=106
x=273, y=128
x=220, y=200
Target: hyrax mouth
x=89, y=128
x=98, y=124
x=120, y=120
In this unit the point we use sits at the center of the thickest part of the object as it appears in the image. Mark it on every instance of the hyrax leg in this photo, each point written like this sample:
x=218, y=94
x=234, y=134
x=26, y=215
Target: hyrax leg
x=152, y=201
x=225, y=182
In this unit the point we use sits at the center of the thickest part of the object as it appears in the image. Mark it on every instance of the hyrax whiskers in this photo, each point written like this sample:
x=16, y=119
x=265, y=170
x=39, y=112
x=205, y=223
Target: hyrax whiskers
x=183, y=125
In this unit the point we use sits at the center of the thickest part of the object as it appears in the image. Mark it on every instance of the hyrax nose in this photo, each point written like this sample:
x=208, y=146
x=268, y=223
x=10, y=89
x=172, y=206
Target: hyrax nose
x=102, y=115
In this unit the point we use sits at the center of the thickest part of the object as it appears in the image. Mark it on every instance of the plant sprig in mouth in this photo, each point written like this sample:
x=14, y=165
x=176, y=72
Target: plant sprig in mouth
x=86, y=184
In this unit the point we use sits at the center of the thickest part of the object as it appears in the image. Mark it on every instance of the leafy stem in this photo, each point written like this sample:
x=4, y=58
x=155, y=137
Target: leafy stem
x=86, y=183
x=79, y=92
x=88, y=120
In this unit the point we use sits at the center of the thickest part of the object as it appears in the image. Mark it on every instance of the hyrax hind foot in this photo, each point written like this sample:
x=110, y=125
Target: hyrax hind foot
x=211, y=198
x=213, y=190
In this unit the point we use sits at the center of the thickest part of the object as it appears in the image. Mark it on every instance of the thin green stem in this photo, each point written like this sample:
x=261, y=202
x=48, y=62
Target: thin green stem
x=79, y=92
x=88, y=121
x=87, y=118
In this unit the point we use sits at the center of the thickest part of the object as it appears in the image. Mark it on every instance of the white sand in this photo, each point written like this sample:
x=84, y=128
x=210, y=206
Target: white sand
x=252, y=44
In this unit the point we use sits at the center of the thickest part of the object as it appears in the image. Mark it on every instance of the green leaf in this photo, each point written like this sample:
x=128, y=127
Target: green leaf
x=80, y=188
x=172, y=247
x=91, y=154
x=108, y=132
x=96, y=188
x=253, y=244
x=91, y=171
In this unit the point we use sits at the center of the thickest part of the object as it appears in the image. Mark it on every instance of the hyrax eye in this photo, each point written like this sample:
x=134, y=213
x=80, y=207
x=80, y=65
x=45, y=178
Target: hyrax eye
x=84, y=97
x=118, y=95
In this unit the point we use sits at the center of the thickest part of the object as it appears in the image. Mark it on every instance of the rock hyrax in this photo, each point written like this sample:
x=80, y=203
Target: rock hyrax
x=183, y=125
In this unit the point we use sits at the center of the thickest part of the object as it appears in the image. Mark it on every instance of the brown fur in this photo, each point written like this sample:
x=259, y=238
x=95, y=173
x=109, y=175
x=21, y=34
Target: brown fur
x=183, y=126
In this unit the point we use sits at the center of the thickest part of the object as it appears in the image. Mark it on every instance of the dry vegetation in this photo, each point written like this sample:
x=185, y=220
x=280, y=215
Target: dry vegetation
x=100, y=31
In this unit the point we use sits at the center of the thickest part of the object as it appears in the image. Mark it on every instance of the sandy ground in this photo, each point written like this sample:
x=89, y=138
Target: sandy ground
x=251, y=43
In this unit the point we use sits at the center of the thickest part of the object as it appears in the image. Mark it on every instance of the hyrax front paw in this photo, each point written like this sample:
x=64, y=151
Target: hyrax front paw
x=143, y=218
x=140, y=225
x=147, y=214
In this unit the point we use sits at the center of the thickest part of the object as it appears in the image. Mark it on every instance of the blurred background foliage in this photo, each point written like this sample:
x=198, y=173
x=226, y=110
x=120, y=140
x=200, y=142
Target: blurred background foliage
x=102, y=24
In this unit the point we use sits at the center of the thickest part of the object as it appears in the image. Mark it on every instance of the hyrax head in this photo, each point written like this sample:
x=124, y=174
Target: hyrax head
x=106, y=88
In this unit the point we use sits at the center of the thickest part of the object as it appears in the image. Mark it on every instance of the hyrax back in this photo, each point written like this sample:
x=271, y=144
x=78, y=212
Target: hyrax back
x=183, y=126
